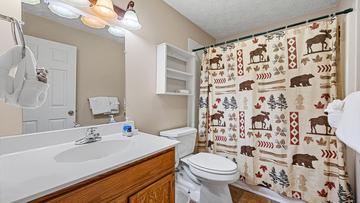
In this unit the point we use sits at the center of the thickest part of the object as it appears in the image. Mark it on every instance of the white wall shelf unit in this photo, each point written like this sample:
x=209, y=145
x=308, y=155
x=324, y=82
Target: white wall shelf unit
x=175, y=71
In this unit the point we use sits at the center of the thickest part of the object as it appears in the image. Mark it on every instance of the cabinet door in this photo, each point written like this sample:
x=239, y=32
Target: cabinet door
x=162, y=191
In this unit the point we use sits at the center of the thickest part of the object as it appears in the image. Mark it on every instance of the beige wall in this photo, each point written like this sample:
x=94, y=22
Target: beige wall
x=10, y=117
x=153, y=113
x=100, y=64
x=280, y=24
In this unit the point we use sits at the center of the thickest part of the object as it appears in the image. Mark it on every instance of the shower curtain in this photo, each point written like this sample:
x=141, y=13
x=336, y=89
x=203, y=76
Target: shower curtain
x=262, y=105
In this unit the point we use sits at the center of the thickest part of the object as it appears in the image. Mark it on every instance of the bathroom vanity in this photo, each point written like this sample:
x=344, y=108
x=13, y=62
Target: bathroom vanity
x=149, y=180
x=51, y=168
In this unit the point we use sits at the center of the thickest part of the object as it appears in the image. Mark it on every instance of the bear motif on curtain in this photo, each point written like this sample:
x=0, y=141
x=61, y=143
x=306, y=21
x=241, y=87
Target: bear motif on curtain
x=262, y=105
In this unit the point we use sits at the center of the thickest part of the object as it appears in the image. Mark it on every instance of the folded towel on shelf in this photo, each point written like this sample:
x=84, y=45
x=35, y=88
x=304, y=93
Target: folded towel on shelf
x=99, y=105
x=348, y=127
x=114, y=105
x=104, y=105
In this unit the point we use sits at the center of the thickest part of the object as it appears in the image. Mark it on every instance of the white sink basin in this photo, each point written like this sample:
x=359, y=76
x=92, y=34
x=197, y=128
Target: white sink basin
x=93, y=151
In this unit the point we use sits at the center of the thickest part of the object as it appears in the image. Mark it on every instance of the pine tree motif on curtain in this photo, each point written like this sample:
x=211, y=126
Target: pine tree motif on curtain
x=262, y=105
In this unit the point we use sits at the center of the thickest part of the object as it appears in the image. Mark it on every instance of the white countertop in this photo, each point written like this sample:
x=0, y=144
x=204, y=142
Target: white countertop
x=27, y=175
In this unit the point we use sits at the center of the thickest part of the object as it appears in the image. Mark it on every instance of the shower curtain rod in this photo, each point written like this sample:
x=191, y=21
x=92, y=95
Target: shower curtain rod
x=277, y=29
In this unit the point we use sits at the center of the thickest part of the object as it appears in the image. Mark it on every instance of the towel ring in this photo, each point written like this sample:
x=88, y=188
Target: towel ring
x=22, y=38
x=15, y=25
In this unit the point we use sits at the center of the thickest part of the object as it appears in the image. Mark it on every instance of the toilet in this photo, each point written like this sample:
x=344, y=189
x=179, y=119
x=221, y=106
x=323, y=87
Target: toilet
x=204, y=176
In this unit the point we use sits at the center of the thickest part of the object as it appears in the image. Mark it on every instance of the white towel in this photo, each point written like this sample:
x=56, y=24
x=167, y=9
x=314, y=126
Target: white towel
x=348, y=126
x=335, y=111
x=99, y=105
x=114, y=105
x=25, y=89
x=9, y=60
x=33, y=93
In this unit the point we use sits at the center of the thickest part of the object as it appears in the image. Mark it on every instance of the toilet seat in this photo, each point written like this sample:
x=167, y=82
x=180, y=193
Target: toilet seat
x=213, y=177
x=218, y=169
x=212, y=163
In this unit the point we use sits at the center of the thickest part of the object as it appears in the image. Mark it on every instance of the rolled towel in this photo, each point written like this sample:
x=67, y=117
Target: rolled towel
x=42, y=74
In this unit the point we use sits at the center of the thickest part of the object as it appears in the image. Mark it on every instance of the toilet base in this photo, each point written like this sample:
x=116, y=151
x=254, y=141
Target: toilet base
x=211, y=192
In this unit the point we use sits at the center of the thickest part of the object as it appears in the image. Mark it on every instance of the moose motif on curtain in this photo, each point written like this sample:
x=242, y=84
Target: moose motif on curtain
x=262, y=105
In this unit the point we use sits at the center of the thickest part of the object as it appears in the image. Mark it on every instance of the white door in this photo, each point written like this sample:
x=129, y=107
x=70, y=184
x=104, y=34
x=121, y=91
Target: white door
x=58, y=112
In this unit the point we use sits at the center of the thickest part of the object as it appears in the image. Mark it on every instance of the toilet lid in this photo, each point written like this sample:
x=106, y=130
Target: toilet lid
x=212, y=163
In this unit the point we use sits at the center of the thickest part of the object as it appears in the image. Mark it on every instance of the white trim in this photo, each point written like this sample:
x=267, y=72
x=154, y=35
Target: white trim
x=357, y=81
x=192, y=100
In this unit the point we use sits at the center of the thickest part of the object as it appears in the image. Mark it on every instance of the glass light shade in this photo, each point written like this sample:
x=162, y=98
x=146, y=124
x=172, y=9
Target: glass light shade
x=32, y=2
x=117, y=31
x=80, y=3
x=62, y=10
x=130, y=20
x=105, y=8
x=92, y=22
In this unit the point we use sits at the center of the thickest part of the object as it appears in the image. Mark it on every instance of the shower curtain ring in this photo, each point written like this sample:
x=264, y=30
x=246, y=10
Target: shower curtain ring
x=332, y=15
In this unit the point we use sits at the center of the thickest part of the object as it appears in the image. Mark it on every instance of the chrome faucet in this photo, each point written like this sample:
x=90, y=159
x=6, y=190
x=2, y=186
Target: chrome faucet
x=91, y=136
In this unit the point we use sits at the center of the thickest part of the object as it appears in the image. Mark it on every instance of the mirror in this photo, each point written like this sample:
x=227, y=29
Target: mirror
x=82, y=63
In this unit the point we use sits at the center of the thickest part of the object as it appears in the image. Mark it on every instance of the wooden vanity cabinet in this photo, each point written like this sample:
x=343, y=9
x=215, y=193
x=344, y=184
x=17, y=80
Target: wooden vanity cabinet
x=162, y=191
x=150, y=180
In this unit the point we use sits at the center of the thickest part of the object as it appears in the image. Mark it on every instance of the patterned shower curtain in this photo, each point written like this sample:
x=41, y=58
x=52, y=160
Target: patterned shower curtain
x=262, y=105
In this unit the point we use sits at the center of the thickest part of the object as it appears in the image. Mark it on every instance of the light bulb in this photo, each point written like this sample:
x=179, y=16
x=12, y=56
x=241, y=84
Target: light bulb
x=117, y=31
x=130, y=20
x=92, y=22
x=105, y=8
x=63, y=10
x=31, y=2
x=80, y=3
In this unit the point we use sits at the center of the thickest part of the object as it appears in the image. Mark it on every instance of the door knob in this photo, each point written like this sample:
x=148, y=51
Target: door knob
x=71, y=113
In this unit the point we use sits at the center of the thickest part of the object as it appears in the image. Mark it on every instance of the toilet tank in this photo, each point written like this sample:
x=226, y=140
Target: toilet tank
x=187, y=138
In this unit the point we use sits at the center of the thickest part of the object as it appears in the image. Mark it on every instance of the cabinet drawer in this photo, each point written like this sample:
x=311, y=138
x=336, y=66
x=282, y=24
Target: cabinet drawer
x=120, y=183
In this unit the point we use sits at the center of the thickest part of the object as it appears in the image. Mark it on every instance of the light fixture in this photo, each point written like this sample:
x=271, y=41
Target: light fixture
x=96, y=14
x=63, y=10
x=92, y=22
x=32, y=2
x=117, y=31
x=80, y=3
x=130, y=19
x=105, y=8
